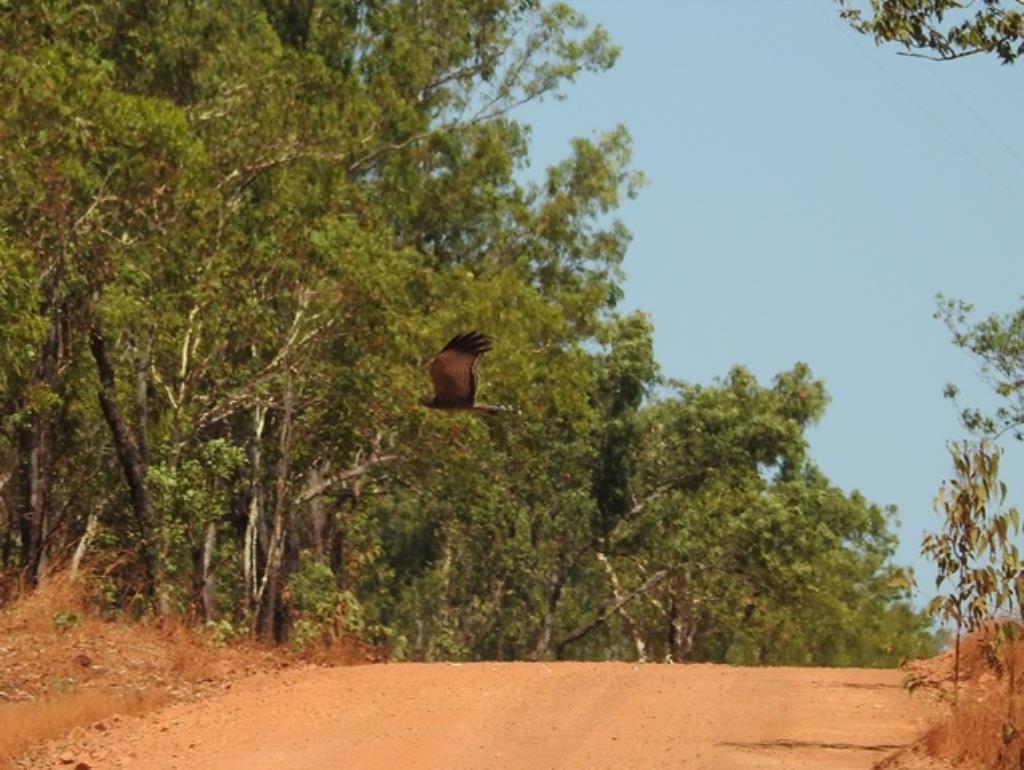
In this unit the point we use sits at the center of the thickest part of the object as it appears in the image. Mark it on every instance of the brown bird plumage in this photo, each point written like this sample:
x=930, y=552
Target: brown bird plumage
x=453, y=372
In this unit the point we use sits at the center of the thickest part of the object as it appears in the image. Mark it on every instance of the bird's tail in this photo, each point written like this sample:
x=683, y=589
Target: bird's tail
x=497, y=409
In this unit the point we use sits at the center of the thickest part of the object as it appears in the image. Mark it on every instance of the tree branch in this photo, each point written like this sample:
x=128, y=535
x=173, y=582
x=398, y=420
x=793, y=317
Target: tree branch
x=950, y=57
x=586, y=628
x=362, y=467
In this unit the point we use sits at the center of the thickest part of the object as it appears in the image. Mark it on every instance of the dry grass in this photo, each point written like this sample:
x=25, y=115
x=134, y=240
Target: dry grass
x=62, y=666
x=34, y=610
x=46, y=718
x=984, y=727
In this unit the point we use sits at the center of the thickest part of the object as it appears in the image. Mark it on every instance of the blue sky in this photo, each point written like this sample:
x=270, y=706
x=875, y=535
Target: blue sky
x=809, y=194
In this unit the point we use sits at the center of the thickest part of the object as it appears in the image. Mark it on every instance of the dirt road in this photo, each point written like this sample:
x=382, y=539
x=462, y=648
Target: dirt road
x=519, y=715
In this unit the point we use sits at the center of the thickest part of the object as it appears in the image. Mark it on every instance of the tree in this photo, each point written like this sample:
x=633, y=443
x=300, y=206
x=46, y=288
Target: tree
x=952, y=30
x=975, y=548
x=735, y=548
x=233, y=221
x=998, y=344
x=945, y=29
x=234, y=233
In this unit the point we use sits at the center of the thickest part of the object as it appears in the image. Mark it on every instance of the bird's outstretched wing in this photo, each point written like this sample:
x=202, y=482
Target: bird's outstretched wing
x=453, y=370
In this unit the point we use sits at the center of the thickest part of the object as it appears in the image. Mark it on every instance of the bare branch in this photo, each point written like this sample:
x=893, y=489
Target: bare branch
x=949, y=57
x=295, y=340
x=580, y=631
x=362, y=467
x=631, y=627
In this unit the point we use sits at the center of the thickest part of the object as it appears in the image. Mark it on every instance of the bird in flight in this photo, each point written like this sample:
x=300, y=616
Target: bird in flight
x=453, y=372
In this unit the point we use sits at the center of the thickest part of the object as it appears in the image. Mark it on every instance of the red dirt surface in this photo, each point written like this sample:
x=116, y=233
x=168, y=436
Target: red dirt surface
x=519, y=715
x=62, y=666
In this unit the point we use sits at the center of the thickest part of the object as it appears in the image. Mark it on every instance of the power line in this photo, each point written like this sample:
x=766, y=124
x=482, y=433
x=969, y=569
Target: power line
x=978, y=117
x=970, y=153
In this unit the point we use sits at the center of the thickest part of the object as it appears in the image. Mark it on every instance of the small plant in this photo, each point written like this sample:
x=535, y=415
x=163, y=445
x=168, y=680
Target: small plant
x=974, y=550
x=62, y=684
x=66, y=619
x=323, y=609
x=912, y=680
x=1010, y=731
x=222, y=632
x=304, y=633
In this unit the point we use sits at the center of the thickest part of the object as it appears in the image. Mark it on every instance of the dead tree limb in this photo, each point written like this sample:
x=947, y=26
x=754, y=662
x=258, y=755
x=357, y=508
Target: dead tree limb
x=580, y=631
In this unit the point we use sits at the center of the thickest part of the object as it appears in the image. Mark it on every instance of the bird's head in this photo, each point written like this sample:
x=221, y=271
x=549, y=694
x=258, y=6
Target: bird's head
x=427, y=400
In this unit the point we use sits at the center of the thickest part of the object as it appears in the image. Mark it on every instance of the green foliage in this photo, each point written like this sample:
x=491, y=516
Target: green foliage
x=765, y=561
x=222, y=632
x=946, y=29
x=248, y=226
x=62, y=684
x=323, y=609
x=66, y=619
x=197, y=488
x=975, y=549
x=997, y=342
x=21, y=330
x=626, y=373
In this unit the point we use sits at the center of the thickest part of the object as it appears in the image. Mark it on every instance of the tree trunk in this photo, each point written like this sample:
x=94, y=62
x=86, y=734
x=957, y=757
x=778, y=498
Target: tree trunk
x=8, y=526
x=253, y=512
x=580, y=631
x=142, y=402
x=209, y=577
x=270, y=587
x=681, y=628
x=628, y=623
x=285, y=612
x=35, y=452
x=83, y=543
x=33, y=485
x=133, y=464
x=318, y=515
x=204, y=587
x=553, y=595
x=337, y=538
